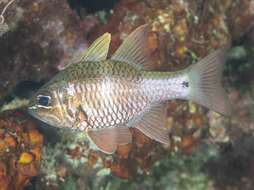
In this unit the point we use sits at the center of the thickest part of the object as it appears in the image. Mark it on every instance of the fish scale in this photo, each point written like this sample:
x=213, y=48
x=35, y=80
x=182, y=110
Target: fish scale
x=114, y=102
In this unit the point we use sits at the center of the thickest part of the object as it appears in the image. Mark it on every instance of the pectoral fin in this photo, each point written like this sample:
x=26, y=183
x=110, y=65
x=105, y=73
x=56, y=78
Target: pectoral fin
x=152, y=123
x=107, y=139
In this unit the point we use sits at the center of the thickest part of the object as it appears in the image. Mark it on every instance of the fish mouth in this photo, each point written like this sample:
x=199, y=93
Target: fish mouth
x=33, y=114
x=30, y=110
x=48, y=119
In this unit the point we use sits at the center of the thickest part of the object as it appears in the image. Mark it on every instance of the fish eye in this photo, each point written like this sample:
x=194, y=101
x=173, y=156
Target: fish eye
x=43, y=100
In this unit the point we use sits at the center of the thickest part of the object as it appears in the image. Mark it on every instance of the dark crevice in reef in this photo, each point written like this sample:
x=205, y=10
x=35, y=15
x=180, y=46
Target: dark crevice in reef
x=234, y=166
x=92, y=6
x=239, y=67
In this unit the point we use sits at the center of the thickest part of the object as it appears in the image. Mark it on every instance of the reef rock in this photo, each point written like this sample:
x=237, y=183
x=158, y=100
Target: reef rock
x=42, y=37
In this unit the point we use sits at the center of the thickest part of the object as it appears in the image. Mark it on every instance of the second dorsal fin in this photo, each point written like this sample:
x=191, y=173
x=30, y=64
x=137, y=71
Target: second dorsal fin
x=98, y=51
x=134, y=49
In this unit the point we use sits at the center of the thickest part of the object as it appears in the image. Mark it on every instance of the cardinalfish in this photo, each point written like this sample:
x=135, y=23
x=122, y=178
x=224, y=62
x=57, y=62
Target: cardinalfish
x=105, y=97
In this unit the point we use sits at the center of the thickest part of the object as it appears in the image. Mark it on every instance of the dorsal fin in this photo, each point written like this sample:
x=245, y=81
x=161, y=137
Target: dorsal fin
x=98, y=51
x=134, y=49
x=152, y=123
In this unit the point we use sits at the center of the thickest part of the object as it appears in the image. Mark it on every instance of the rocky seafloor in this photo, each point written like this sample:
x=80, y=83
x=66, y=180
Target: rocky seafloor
x=207, y=151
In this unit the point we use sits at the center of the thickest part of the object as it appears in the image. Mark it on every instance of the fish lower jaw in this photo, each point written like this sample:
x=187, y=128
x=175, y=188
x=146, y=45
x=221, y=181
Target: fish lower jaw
x=47, y=120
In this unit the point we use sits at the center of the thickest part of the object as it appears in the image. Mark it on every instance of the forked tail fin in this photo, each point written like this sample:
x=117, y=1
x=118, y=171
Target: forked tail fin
x=205, y=82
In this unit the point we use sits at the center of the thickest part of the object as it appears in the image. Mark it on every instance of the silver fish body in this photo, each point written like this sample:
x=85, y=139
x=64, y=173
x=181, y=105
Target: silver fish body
x=113, y=93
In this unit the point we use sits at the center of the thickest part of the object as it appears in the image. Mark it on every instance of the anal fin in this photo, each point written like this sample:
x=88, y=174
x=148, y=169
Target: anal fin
x=152, y=123
x=107, y=139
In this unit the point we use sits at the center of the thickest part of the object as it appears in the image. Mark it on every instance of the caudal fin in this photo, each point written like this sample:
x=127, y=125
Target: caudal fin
x=205, y=82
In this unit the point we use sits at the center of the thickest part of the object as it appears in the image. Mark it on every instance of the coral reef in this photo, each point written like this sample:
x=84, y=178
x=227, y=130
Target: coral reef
x=175, y=171
x=181, y=30
x=20, y=150
x=43, y=37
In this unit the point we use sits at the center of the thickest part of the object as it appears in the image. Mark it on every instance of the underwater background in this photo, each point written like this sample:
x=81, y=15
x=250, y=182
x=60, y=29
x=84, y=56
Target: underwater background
x=207, y=151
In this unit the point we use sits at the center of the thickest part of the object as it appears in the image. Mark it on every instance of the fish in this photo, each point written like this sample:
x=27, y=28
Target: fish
x=105, y=97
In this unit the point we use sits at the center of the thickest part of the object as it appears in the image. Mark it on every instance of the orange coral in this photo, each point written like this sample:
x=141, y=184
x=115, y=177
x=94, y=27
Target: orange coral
x=25, y=158
x=34, y=137
x=121, y=169
x=20, y=151
x=124, y=150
